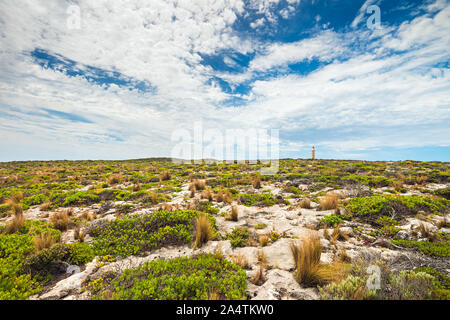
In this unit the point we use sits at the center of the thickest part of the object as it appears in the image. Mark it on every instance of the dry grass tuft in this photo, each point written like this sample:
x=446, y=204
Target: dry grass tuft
x=326, y=234
x=224, y=196
x=165, y=176
x=263, y=240
x=241, y=261
x=338, y=234
x=343, y=256
x=45, y=206
x=305, y=203
x=259, y=277
x=425, y=232
x=203, y=231
x=114, y=180
x=261, y=257
x=43, y=241
x=16, y=223
x=199, y=184
x=306, y=257
x=234, y=214
x=329, y=202
x=16, y=198
x=442, y=223
x=207, y=194
x=60, y=220
x=256, y=182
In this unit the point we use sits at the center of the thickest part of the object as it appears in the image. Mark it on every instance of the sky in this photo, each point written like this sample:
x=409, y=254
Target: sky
x=118, y=79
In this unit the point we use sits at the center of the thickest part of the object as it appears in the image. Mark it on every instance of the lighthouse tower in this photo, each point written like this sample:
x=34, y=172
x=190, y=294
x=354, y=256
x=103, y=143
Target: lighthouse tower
x=313, y=153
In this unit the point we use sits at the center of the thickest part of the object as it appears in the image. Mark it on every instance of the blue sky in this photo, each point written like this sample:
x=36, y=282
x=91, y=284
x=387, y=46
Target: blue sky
x=113, y=79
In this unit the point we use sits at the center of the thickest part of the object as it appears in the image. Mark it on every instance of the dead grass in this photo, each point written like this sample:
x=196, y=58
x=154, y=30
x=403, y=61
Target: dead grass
x=263, y=240
x=43, y=241
x=241, y=261
x=326, y=234
x=259, y=278
x=425, y=232
x=343, y=256
x=78, y=234
x=114, y=180
x=261, y=257
x=199, y=184
x=60, y=220
x=329, y=202
x=164, y=176
x=234, y=214
x=256, y=182
x=338, y=234
x=398, y=186
x=203, y=231
x=442, y=223
x=305, y=203
x=45, y=206
x=208, y=195
x=306, y=256
x=224, y=196
x=16, y=223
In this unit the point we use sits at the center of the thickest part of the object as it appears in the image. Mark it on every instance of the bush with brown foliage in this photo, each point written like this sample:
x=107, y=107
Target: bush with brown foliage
x=60, y=220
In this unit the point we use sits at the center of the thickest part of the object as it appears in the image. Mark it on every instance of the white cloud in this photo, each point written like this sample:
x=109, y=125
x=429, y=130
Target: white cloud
x=371, y=87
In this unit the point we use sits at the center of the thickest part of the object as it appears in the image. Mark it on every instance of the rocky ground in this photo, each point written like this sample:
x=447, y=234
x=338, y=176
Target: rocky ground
x=288, y=220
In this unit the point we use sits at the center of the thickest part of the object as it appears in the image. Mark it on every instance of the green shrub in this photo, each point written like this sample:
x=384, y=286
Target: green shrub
x=444, y=192
x=263, y=199
x=206, y=206
x=34, y=200
x=351, y=288
x=80, y=198
x=238, y=237
x=441, y=283
x=439, y=249
x=331, y=220
x=46, y=263
x=375, y=206
x=37, y=227
x=409, y=285
x=181, y=278
x=132, y=235
x=13, y=284
x=80, y=253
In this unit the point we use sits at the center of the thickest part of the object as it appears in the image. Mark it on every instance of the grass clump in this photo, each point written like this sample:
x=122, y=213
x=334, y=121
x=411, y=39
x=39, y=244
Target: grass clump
x=263, y=200
x=331, y=220
x=176, y=279
x=239, y=237
x=234, y=214
x=438, y=249
x=131, y=235
x=329, y=202
x=15, y=285
x=441, y=283
x=60, y=220
x=308, y=270
x=375, y=206
x=204, y=231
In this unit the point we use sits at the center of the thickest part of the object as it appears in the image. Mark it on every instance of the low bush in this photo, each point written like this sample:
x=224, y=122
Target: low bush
x=439, y=249
x=176, y=279
x=373, y=207
x=133, y=235
x=239, y=237
x=331, y=220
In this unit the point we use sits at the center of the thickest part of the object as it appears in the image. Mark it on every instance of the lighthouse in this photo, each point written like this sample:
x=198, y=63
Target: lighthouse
x=313, y=153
